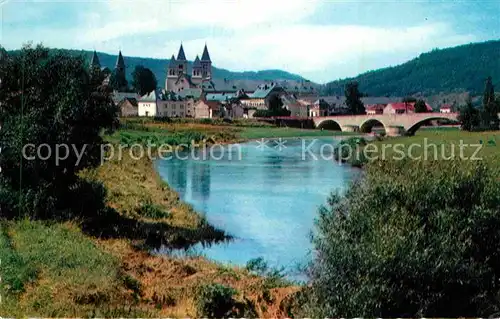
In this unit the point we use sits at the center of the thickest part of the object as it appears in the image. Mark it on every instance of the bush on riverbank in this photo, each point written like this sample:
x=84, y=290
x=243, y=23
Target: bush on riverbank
x=413, y=239
x=350, y=151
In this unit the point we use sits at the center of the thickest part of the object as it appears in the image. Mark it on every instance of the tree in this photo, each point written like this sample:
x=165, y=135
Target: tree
x=118, y=81
x=50, y=104
x=276, y=106
x=143, y=80
x=353, y=99
x=490, y=105
x=469, y=116
x=420, y=106
x=436, y=253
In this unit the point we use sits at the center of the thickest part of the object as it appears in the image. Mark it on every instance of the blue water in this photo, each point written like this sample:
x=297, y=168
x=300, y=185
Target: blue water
x=264, y=195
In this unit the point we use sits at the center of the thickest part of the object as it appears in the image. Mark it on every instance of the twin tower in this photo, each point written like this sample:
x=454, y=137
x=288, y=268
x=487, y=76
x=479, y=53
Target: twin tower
x=178, y=69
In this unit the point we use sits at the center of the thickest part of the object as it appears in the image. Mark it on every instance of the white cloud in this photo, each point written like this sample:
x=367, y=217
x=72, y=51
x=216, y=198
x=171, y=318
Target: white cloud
x=249, y=35
x=119, y=18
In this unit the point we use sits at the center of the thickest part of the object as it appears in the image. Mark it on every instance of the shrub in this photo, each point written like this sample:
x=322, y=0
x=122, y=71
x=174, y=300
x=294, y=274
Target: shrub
x=215, y=301
x=411, y=239
x=150, y=210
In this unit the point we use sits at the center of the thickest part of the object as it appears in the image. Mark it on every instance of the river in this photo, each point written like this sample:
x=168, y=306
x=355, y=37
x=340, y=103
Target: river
x=265, y=193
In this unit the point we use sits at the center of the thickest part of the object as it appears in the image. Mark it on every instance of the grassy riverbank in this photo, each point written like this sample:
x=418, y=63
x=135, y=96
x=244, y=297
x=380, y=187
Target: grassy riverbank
x=57, y=269
x=429, y=144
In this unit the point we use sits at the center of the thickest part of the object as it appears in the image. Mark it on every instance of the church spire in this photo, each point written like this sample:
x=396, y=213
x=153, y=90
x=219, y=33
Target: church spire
x=205, y=56
x=120, y=62
x=94, y=62
x=181, y=56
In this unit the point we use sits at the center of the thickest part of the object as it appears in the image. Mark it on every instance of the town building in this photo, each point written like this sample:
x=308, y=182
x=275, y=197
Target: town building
x=446, y=108
x=375, y=109
x=178, y=76
x=129, y=107
x=204, y=109
x=403, y=107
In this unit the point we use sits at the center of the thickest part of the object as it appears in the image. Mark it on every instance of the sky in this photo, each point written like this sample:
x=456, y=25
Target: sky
x=322, y=40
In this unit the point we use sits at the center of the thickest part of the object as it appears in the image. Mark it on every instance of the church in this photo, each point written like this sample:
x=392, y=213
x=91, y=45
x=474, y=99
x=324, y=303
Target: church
x=178, y=77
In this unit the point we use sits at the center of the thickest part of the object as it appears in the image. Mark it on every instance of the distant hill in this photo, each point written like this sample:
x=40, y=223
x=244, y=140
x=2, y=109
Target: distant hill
x=248, y=79
x=458, y=69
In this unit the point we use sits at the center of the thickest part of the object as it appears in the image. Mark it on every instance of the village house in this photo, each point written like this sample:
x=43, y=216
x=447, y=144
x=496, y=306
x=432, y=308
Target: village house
x=129, y=107
x=402, y=108
x=445, y=108
x=259, y=98
x=204, y=109
x=148, y=105
x=295, y=108
x=375, y=109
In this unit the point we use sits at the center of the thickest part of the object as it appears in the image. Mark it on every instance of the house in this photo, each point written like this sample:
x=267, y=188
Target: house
x=445, y=108
x=129, y=107
x=403, y=107
x=204, y=109
x=375, y=109
x=259, y=99
x=295, y=108
x=148, y=104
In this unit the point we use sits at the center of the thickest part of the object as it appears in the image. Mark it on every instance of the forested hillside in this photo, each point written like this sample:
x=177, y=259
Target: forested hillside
x=158, y=66
x=458, y=69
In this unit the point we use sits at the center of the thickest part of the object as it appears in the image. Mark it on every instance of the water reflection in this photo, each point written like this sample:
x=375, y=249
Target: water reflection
x=268, y=199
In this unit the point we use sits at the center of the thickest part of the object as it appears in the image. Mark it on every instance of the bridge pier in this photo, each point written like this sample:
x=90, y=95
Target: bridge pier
x=395, y=131
x=350, y=128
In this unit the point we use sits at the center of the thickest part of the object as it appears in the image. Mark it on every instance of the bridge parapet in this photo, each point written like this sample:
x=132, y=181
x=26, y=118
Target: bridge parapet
x=408, y=122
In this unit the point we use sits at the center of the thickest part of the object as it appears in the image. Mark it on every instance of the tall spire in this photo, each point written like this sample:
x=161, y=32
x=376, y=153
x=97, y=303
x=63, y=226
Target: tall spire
x=94, y=62
x=197, y=63
x=181, y=56
x=120, y=63
x=205, y=56
x=172, y=63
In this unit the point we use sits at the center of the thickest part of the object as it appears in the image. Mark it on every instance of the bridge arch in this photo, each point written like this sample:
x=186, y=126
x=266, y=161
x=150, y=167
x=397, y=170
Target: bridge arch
x=329, y=125
x=414, y=127
x=368, y=125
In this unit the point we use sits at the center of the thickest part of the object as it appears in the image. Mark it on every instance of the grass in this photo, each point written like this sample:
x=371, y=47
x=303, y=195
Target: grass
x=446, y=140
x=275, y=132
x=54, y=270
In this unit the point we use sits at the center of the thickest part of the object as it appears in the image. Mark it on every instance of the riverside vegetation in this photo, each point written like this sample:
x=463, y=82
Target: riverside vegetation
x=75, y=238
x=413, y=238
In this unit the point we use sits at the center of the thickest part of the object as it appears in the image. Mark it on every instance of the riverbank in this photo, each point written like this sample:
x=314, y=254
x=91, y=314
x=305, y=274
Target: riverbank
x=433, y=144
x=56, y=269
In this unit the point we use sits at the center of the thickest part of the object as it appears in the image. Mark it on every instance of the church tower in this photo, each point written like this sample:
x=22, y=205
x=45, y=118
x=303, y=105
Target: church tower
x=206, y=64
x=171, y=74
x=94, y=62
x=181, y=62
x=196, y=74
x=120, y=65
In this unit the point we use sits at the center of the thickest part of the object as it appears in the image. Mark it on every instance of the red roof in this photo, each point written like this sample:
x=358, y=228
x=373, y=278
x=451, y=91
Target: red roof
x=410, y=106
x=446, y=107
x=375, y=107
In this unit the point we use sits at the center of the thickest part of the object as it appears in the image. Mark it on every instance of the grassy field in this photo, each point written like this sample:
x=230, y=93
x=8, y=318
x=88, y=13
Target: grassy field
x=441, y=144
x=432, y=144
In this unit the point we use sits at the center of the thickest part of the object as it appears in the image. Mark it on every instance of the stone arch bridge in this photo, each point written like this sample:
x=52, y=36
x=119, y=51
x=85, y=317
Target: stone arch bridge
x=394, y=124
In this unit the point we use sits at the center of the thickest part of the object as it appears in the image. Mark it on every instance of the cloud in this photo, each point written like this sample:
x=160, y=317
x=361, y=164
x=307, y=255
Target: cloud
x=141, y=17
x=243, y=35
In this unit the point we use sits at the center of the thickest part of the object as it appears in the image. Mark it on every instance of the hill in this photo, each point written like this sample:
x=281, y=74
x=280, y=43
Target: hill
x=247, y=79
x=458, y=69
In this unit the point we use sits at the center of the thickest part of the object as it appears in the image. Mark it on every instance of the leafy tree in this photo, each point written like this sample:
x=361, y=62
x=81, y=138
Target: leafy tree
x=409, y=99
x=436, y=253
x=469, y=116
x=353, y=99
x=118, y=81
x=51, y=100
x=490, y=105
x=275, y=106
x=143, y=80
x=420, y=106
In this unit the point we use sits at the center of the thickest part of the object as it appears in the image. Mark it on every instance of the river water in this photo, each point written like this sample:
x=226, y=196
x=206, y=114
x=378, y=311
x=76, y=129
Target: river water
x=265, y=193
